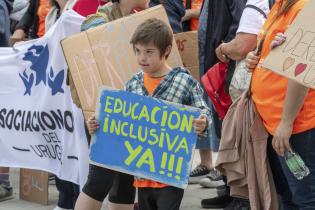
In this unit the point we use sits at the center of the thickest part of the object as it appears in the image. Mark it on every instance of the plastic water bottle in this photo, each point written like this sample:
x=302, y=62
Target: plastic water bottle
x=296, y=165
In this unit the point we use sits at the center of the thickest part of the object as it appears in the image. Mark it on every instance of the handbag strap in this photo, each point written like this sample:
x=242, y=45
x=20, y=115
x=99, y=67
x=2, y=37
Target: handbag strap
x=257, y=9
x=279, y=14
x=232, y=64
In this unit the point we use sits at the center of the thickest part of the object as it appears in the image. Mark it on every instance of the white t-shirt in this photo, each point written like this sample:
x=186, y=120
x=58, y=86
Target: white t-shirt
x=252, y=21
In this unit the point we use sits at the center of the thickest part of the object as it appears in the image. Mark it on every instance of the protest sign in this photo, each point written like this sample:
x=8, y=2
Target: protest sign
x=187, y=43
x=295, y=59
x=144, y=137
x=34, y=186
x=103, y=56
x=40, y=127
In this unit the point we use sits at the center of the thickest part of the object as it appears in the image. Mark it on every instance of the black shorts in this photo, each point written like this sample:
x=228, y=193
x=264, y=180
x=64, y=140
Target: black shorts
x=166, y=198
x=102, y=181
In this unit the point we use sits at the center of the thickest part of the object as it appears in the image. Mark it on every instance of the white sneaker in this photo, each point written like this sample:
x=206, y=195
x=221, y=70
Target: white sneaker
x=58, y=208
x=207, y=182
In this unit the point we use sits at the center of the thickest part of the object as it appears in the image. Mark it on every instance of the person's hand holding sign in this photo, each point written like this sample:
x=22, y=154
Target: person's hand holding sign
x=278, y=40
x=92, y=124
x=200, y=124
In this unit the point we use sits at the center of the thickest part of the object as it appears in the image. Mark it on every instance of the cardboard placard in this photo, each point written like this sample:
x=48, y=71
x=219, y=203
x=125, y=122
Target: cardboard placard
x=34, y=186
x=103, y=56
x=295, y=59
x=187, y=43
x=144, y=137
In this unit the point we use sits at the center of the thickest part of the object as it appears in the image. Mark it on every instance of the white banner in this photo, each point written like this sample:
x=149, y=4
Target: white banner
x=40, y=127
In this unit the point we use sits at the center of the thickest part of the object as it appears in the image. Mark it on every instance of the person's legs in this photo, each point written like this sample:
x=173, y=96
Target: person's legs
x=76, y=193
x=122, y=193
x=220, y=201
x=67, y=193
x=169, y=198
x=223, y=199
x=280, y=180
x=147, y=199
x=204, y=168
x=238, y=204
x=116, y=206
x=206, y=158
x=213, y=179
x=303, y=191
x=204, y=144
x=86, y=202
x=4, y=177
x=98, y=185
x=6, y=190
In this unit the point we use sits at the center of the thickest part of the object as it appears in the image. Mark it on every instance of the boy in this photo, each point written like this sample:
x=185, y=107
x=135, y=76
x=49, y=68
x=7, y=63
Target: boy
x=152, y=43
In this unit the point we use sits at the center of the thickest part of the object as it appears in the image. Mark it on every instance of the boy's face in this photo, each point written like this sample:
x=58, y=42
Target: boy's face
x=149, y=58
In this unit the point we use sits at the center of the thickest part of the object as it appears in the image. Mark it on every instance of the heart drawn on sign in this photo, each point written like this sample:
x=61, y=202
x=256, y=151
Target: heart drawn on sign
x=288, y=62
x=299, y=69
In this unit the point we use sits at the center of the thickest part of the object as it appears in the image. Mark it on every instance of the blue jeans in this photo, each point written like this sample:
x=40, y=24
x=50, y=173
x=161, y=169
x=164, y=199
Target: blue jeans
x=211, y=141
x=295, y=194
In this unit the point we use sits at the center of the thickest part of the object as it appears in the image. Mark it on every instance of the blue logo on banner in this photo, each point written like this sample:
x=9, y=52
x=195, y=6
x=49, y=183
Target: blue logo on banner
x=144, y=137
x=39, y=57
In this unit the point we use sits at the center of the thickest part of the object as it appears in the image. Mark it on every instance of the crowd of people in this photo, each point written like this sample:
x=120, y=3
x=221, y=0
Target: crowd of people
x=238, y=33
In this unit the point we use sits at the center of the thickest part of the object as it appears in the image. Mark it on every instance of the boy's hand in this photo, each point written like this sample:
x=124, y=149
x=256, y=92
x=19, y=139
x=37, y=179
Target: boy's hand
x=92, y=124
x=200, y=124
x=251, y=61
x=278, y=40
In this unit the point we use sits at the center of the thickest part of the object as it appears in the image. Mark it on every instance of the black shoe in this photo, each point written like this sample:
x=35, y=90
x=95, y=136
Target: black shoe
x=222, y=190
x=215, y=175
x=6, y=193
x=216, y=202
x=198, y=173
x=238, y=204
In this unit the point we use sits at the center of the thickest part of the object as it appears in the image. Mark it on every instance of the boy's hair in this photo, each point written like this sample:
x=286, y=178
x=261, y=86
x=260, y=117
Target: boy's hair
x=153, y=31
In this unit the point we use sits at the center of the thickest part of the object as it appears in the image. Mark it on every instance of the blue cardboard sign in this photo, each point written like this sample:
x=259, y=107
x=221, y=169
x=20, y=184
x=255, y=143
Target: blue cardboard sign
x=145, y=137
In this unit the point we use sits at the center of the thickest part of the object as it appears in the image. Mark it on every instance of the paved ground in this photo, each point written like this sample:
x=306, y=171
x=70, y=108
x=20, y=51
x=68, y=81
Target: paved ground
x=191, y=201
